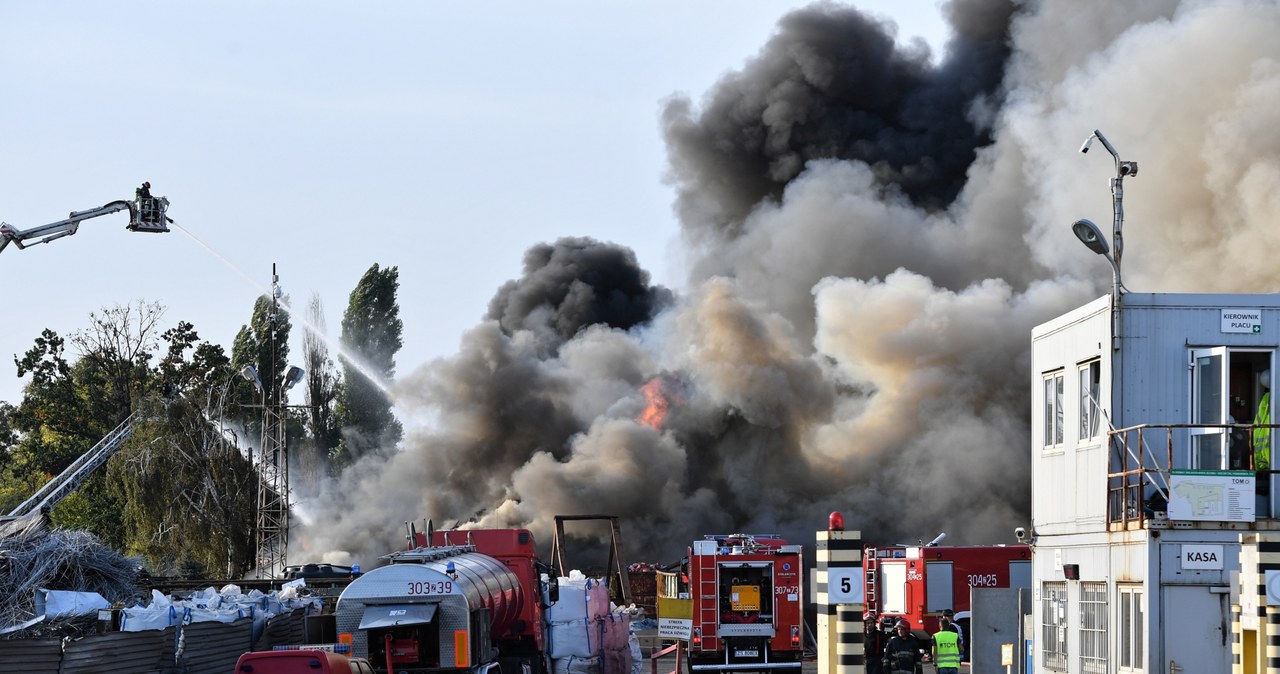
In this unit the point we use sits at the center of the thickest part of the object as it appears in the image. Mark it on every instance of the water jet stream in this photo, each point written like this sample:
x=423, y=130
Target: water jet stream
x=350, y=358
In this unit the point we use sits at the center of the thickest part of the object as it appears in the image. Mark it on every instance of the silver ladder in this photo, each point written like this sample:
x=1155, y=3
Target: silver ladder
x=53, y=491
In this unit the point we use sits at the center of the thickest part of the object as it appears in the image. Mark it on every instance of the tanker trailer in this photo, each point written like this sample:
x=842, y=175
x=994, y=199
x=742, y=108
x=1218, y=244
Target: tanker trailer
x=474, y=605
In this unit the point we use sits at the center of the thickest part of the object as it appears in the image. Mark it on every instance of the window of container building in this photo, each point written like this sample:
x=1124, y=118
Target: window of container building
x=1090, y=399
x=1131, y=628
x=1093, y=628
x=1053, y=409
x=1053, y=607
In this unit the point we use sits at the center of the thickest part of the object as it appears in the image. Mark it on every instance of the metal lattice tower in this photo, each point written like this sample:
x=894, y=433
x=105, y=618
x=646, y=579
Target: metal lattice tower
x=273, y=463
x=273, y=495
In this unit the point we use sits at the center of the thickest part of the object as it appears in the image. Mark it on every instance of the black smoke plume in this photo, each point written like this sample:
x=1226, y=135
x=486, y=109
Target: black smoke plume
x=873, y=231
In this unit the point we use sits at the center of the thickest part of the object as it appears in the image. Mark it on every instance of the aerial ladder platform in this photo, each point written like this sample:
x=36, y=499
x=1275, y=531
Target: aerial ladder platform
x=146, y=214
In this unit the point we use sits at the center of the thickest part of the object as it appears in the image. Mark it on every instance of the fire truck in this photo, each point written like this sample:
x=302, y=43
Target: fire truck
x=917, y=583
x=746, y=591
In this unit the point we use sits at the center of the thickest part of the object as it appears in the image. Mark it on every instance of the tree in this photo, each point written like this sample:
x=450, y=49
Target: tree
x=264, y=344
x=69, y=406
x=187, y=493
x=114, y=352
x=52, y=405
x=16, y=482
x=322, y=391
x=8, y=434
x=371, y=337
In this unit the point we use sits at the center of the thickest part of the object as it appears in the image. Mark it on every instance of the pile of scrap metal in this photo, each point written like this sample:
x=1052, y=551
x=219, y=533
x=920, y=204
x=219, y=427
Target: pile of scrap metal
x=45, y=573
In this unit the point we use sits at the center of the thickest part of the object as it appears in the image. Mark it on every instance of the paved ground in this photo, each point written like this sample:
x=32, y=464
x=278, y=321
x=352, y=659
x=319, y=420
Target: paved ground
x=667, y=665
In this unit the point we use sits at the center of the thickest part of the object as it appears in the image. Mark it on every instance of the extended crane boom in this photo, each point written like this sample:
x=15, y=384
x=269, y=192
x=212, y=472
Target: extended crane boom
x=146, y=214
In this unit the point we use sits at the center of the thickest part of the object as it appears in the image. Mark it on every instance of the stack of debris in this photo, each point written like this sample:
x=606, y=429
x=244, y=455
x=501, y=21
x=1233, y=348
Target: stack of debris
x=34, y=558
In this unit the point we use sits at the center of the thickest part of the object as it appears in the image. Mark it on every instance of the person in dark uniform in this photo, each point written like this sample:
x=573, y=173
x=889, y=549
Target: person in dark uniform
x=873, y=639
x=146, y=205
x=902, y=653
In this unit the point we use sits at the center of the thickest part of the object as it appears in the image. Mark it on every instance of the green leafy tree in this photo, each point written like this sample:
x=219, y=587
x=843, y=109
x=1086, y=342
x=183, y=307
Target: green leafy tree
x=371, y=334
x=8, y=434
x=16, y=482
x=57, y=421
x=322, y=392
x=115, y=352
x=69, y=405
x=52, y=405
x=263, y=344
x=188, y=494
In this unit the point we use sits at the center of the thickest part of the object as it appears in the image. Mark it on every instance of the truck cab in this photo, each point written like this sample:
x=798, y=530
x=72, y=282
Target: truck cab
x=301, y=661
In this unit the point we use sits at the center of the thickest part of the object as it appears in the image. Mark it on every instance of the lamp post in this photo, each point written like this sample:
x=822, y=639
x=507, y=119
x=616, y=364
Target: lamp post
x=1091, y=235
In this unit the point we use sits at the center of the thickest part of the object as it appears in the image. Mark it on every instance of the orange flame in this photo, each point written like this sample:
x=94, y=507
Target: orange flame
x=655, y=412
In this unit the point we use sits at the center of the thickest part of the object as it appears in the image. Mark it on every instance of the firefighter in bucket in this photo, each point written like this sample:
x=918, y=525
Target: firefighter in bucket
x=148, y=209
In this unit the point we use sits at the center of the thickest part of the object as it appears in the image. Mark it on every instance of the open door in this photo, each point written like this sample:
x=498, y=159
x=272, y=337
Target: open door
x=1208, y=450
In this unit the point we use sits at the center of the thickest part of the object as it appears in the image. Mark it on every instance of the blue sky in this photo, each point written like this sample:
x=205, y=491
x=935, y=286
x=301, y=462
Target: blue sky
x=325, y=137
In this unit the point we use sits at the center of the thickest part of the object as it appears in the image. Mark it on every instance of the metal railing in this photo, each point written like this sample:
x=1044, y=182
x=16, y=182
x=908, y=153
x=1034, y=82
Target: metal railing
x=1141, y=459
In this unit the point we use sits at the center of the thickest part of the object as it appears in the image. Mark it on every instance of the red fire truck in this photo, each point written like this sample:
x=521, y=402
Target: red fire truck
x=918, y=583
x=747, y=592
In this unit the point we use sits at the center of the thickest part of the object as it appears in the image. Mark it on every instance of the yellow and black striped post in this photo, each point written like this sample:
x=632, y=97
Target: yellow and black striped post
x=1273, y=640
x=1237, y=641
x=840, y=631
x=1256, y=634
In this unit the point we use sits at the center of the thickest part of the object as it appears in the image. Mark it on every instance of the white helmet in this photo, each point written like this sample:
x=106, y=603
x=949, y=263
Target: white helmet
x=1265, y=379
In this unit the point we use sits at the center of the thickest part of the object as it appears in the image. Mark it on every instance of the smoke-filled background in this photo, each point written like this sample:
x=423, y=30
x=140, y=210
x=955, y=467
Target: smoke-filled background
x=872, y=232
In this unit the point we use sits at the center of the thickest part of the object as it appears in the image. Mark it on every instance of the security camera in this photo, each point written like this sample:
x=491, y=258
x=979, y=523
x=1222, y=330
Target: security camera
x=1087, y=143
x=1020, y=534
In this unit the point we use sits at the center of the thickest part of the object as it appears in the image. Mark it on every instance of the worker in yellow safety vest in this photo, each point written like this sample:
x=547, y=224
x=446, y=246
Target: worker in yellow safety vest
x=1261, y=421
x=946, y=649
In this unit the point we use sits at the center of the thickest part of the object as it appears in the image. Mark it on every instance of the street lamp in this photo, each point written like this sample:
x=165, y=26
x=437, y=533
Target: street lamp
x=250, y=373
x=292, y=377
x=1091, y=235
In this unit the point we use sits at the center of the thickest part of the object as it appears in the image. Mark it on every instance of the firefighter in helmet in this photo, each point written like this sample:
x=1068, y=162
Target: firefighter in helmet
x=902, y=653
x=145, y=202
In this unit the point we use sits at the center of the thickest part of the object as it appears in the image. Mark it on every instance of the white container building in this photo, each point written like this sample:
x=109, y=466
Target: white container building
x=1146, y=497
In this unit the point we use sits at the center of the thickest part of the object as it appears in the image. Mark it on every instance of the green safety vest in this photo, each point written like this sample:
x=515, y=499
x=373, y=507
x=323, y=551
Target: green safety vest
x=1262, y=436
x=947, y=644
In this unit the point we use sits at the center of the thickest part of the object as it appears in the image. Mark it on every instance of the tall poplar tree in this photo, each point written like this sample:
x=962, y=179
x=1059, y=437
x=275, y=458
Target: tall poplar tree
x=264, y=344
x=371, y=335
x=322, y=386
